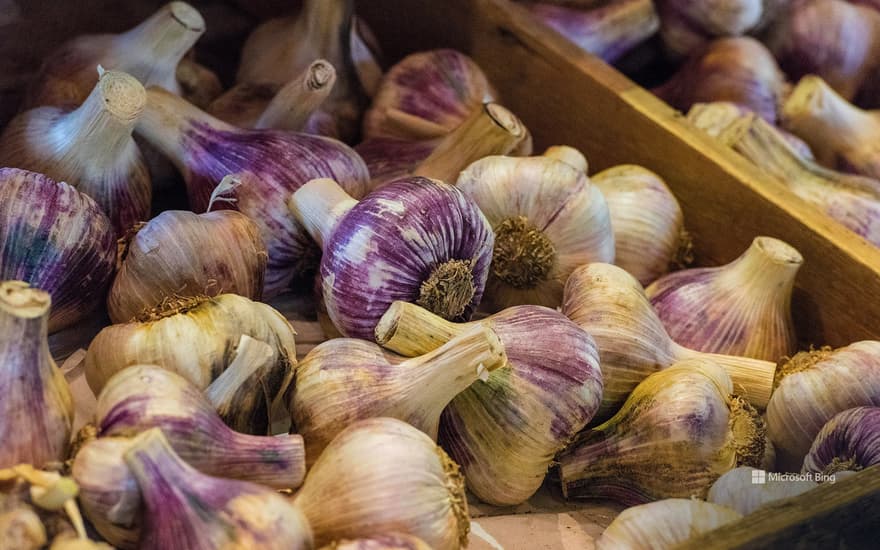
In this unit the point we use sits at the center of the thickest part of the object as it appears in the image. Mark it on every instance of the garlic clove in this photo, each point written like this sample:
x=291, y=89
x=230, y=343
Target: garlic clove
x=36, y=409
x=56, y=239
x=649, y=233
x=738, y=490
x=89, y=147
x=382, y=475
x=849, y=442
x=742, y=308
x=394, y=541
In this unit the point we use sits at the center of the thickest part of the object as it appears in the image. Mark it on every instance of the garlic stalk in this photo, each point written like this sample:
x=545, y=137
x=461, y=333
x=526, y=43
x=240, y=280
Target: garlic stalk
x=36, y=409
x=850, y=441
x=267, y=166
x=547, y=218
x=608, y=31
x=145, y=396
x=854, y=201
x=649, y=234
x=554, y=381
x=179, y=254
x=426, y=95
x=393, y=541
x=738, y=490
x=442, y=264
x=345, y=380
x=610, y=305
x=814, y=386
x=188, y=509
x=242, y=395
x=150, y=52
x=57, y=239
x=663, y=524
x=841, y=135
x=382, y=475
x=89, y=147
x=742, y=308
x=679, y=430
x=739, y=70
x=266, y=105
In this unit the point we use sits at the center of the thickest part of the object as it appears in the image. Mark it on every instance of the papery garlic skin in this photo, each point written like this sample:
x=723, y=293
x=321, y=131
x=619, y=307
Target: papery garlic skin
x=649, y=234
x=685, y=26
x=179, y=254
x=382, y=475
x=814, y=386
x=663, y=524
x=547, y=218
x=36, y=409
x=742, y=308
x=737, y=490
x=678, y=431
x=188, y=509
x=57, y=239
x=90, y=148
x=850, y=441
x=395, y=541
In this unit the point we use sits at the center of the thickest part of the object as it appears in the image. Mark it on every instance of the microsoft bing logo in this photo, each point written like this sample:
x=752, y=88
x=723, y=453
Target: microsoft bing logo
x=759, y=477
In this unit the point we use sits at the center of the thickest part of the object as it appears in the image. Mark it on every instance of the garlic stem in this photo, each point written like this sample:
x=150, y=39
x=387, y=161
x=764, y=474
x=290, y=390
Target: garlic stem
x=568, y=155
x=768, y=263
x=322, y=23
x=412, y=126
x=293, y=104
x=242, y=388
x=751, y=377
x=410, y=330
x=319, y=205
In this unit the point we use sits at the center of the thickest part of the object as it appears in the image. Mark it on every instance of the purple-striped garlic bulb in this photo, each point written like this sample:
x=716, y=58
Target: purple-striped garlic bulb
x=266, y=165
x=742, y=308
x=179, y=254
x=679, y=430
x=36, y=408
x=612, y=307
x=281, y=107
x=738, y=70
x=608, y=31
x=58, y=240
x=415, y=239
x=145, y=396
x=554, y=381
x=187, y=509
x=150, y=52
x=841, y=135
x=649, y=233
x=548, y=219
x=737, y=489
x=849, y=442
x=812, y=387
x=346, y=379
x=391, y=541
x=382, y=475
x=89, y=147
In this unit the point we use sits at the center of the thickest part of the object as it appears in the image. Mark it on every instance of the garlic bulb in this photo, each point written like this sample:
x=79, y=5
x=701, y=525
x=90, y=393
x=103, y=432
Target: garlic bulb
x=611, y=306
x=738, y=490
x=394, y=541
x=36, y=409
x=607, y=31
x=382, y=475
x=685, y=26
x=179, y=254
x=742, y=308
x=679, y=430
x=345, y=380
x=150, y=52
x=267, y=166
x=426, y=95
x=814, y=386
x=841, y=135
x=663, y=524
x=145, y=396
x=58, y=240
x=547, y=219
x=198, y=84
x=414, y=239
x=90, y=148
x=188, y=509
x=267, y=105
x=850, y=441
x=649, y=234
x=739, y=70
x=568, y=155
x=554, y=381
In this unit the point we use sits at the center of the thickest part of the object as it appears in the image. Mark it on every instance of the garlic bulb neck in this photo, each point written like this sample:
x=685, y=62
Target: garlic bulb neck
x=523, y=256
x=768, y=267
x=319, y=205
x=322, y=23
x=449, y=289
x=410, y=330
x=293, y=104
